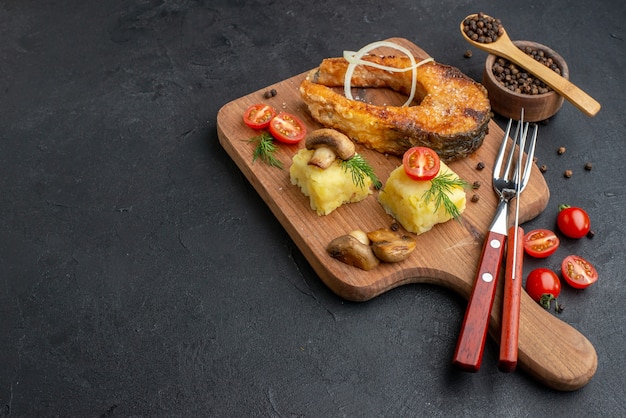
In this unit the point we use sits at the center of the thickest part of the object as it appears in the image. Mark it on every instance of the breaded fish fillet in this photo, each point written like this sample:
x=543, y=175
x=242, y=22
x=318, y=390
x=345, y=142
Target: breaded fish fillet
x=452, y=116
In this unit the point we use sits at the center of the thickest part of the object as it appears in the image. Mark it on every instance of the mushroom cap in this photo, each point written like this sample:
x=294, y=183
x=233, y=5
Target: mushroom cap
x=391, y=246
x=348, y=249
x=326, y=137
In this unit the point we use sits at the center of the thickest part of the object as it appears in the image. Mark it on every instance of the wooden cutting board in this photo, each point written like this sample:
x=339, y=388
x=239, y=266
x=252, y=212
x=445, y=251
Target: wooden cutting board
x=549, y=349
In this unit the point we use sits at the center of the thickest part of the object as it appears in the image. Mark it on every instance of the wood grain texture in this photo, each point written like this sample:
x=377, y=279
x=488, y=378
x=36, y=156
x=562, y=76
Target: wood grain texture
x=447, y=255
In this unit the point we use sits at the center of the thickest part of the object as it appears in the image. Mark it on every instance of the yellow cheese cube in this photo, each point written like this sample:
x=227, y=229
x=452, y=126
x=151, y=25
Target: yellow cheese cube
x=403, y=198
x=328, y=188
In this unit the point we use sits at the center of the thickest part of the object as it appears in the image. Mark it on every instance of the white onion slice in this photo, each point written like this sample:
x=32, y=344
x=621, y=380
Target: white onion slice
x=355, y=58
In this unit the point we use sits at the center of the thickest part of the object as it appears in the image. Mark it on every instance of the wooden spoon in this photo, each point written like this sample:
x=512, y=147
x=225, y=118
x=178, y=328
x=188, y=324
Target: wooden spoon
x=505, y=48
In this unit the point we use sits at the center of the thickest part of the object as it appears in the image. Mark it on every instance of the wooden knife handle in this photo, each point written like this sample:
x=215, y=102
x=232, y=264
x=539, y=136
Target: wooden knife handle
x=511, y=301
x=471, y=343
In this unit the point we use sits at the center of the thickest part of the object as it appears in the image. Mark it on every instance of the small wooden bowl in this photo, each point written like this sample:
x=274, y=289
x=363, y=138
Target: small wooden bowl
x=509, y=103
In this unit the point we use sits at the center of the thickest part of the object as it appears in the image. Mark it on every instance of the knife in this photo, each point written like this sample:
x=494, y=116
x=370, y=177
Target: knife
x=509, y=332
x=511, y=300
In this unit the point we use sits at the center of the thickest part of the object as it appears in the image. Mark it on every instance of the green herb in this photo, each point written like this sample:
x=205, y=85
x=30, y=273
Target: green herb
x=359, y=169
x=439, y=189
x=265, y=149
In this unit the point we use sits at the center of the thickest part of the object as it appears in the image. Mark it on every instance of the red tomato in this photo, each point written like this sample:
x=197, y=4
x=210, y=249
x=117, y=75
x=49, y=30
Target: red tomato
x=578, y=272
x=573, y=222
x=258, y=116
x=287, y=128
x=540, y=243
x=421, y=163
x=544, y=286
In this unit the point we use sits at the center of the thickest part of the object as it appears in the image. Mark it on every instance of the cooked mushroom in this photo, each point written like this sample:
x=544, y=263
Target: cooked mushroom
x=329, y=144
x=348, y=249
x=391, y=246
x=361, y=236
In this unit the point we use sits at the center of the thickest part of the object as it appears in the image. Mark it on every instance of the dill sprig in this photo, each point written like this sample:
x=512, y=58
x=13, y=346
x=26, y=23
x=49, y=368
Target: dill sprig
x=439, y=189
x=359, y=169
x=265, y=149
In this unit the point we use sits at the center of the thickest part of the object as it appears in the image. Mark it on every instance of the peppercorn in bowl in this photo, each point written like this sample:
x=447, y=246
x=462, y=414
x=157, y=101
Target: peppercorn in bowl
x=512, y=88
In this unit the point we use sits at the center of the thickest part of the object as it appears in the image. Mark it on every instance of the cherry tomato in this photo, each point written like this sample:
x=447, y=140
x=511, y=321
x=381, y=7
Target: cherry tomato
x=578, y=272
x=258, y=116
x=573, y=222
x=421, y=163
x=544, y=286
x=287, y=128
x=540, y=243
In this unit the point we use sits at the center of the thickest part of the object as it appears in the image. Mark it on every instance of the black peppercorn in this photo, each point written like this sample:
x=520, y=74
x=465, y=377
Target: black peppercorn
x=517, y=79
x=482, y=28
x=270, y=93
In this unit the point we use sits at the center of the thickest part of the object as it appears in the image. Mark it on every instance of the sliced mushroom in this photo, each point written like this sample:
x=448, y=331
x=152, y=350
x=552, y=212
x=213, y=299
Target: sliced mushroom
x=361, y=236
x=391, y=246
x=329, y=144
x=351, y=251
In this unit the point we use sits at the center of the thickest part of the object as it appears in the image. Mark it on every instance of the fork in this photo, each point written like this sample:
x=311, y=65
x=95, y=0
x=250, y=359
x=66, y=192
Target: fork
x=507, y=185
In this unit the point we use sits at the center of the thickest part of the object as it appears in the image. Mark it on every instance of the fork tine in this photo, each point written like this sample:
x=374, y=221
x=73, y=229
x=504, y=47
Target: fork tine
x=529, y=159
x=520, y=141
x=498, y=172
x=509, y=161
x=517, y=138
x=500, y=156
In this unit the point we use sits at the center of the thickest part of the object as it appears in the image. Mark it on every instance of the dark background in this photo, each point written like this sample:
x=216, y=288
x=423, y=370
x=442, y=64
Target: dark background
x=141, y=274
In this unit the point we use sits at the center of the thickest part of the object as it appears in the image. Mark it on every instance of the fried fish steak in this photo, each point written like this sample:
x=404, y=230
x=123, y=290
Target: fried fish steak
x=451, y=115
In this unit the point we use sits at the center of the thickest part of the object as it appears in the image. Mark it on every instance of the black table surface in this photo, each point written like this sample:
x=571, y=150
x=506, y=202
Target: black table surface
x=141, y=274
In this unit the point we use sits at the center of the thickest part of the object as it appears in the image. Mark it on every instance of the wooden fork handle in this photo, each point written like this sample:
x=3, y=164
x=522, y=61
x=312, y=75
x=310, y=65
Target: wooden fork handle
x=511, y=302
x=471, y=343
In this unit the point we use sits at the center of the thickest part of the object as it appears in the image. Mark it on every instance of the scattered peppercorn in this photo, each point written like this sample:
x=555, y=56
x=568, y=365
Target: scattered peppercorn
x=394, y=226
x=559, y=308
x=561, y=151
x=480, y=166
x=476, y=185
x=543, y=168
x=468, y=53
x=588, y=166
x=270, y=93
x=568, y=173
x=475, y=198
x=482, y=28
x=591, y=234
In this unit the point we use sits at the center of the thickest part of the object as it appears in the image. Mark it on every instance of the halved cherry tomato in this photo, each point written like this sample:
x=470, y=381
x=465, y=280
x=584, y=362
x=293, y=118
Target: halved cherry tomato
x=573, y=222
x=540, y=243
x=544, y=286
x=287, y=128
x=578, y=272
x=258, y=116
x=421, y=163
